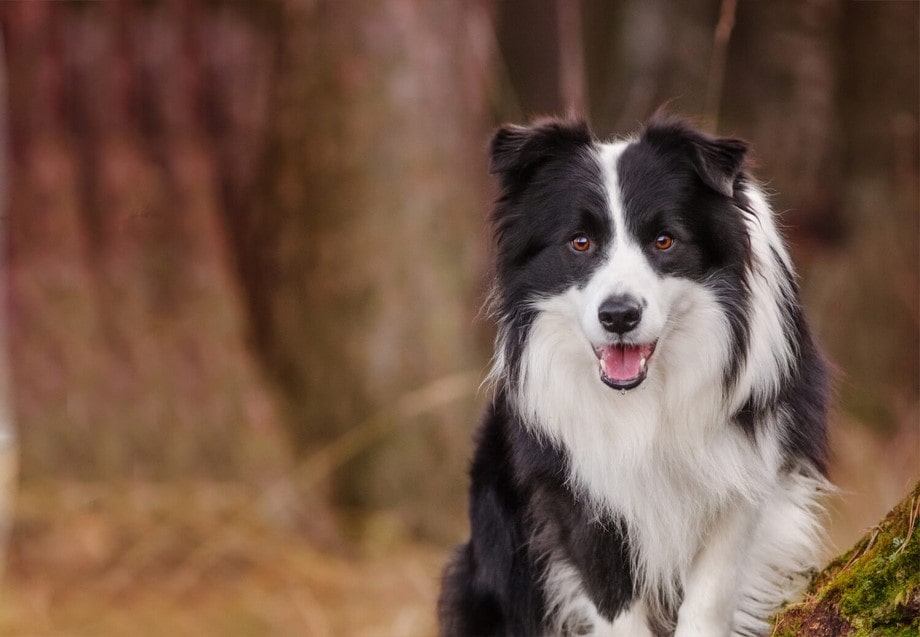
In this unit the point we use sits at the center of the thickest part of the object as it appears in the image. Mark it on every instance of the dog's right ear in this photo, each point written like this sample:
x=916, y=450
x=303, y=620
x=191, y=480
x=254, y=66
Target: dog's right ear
x=516, y=150
x=506, y=147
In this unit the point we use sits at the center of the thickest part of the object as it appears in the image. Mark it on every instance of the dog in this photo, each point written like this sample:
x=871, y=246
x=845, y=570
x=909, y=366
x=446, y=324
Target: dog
x=653, y=460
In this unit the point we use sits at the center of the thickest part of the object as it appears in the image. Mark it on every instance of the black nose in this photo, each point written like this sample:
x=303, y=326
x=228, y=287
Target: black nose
x=620, y=314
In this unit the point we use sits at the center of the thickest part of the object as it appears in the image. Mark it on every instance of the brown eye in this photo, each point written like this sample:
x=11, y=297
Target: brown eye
x=664, y=241
x=581, y=243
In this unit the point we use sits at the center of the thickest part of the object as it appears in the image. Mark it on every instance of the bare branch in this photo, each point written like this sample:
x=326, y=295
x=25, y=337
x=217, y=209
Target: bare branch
x=720, y=41
x=571, y=58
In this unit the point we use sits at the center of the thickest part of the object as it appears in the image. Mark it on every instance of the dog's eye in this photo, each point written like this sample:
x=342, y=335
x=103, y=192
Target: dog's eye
x=664, y=241
x=580, y=243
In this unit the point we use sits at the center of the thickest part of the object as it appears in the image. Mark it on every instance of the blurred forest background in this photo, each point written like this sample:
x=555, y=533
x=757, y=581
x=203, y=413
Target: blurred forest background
x=246, y=246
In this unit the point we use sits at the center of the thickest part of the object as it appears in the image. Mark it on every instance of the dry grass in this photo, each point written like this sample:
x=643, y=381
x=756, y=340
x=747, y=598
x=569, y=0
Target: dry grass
x=202, y=559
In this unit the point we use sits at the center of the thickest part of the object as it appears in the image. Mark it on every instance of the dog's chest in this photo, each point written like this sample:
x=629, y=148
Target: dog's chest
x=668, y=492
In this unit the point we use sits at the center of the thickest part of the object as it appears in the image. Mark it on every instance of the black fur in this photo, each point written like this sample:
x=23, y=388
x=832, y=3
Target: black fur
x=522, y=512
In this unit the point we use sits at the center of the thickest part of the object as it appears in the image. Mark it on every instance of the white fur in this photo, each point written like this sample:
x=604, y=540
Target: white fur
x=632, y=622
x=770, y=352
x=707, y=511
x=782, y=555
x=712, y=583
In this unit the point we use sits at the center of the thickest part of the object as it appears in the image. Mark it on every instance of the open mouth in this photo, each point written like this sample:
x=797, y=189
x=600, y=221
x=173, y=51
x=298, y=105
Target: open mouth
x=623, y=365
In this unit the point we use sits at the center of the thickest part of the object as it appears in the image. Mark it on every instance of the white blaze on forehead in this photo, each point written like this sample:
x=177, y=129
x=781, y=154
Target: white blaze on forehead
x=626, y=269
x=609, y=156
x=624, y=252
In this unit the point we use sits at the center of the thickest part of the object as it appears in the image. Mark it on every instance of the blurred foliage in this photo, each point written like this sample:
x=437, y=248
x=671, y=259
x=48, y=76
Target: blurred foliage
x=243, y=234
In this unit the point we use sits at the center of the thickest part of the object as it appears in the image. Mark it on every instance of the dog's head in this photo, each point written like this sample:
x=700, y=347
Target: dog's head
x=619, y=246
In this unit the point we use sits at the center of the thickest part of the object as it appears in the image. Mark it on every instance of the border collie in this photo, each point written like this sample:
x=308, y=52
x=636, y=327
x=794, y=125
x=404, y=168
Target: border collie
x=654, y=455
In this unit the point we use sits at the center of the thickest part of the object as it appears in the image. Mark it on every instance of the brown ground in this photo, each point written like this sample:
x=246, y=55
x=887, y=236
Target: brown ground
x=202, y=560
x=216, y=559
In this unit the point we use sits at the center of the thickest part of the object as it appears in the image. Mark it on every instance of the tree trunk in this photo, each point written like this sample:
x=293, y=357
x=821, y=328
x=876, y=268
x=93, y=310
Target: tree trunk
x=127, y=331
x=872, y=589
x=9, y=453
x=373, y=261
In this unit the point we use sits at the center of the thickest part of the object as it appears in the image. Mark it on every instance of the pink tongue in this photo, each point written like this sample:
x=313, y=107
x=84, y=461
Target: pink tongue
x=622, y=362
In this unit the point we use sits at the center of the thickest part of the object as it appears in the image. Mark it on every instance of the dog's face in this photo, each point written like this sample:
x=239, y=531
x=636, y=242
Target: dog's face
x=625, y=240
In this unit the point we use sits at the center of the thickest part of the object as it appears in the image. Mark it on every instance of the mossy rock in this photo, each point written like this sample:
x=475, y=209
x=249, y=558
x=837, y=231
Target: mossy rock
x=871, y=590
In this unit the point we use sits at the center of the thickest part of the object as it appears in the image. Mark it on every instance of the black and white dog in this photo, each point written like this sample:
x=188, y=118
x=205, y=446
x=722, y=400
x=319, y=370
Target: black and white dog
x=652, y=461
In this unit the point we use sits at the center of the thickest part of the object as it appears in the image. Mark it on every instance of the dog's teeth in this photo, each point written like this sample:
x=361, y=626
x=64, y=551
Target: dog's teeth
x=642, y=363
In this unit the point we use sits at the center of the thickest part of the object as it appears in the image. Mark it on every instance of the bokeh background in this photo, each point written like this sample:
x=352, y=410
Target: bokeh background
x=247, y=243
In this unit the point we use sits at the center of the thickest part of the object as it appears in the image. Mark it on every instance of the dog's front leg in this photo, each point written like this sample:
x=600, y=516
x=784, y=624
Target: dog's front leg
x=712, y=587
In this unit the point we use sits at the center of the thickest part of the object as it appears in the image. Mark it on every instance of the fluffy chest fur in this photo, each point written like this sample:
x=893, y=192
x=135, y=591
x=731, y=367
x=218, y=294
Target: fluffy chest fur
x=664, y=462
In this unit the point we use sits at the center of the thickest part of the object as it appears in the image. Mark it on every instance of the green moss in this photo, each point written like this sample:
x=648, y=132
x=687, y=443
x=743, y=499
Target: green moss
x=881, y=586
x=874, y=587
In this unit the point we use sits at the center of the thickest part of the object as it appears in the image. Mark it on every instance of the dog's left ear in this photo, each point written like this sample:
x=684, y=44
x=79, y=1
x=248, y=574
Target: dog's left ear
x=718, y=161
